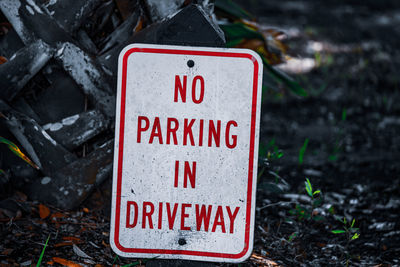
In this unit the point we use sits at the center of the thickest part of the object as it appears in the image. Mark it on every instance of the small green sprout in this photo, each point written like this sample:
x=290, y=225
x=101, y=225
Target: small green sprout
x=41, y=254
x=292, y=236
x=348, y=229
x=303, y=151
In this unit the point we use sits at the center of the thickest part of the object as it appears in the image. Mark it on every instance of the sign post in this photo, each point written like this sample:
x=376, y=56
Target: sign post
x=186, y=149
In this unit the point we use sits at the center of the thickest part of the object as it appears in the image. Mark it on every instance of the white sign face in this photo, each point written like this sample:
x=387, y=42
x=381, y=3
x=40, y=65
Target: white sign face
x=186, y=149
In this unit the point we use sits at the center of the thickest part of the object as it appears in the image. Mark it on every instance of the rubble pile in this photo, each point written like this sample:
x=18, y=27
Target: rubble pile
x=58, y=84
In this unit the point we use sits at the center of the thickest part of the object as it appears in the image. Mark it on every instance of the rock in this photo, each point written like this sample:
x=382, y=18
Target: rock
x=10, y=43
x=126, y=7
x=192, y=26
x=162, y=9
x=32, y=23
x=63, y=98
x=70, y=14
x=123, y=32
x=20, y=105
x=83, y=70
x=43, y=150
x=85, y=42
x=69, y=186
x=73, y=131
x=21, y=67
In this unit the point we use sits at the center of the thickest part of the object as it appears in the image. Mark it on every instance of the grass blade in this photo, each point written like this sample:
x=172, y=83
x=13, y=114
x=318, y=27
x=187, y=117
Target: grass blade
x=15, y=149
x=303, y=151
x=43, y=250
x=231, y=8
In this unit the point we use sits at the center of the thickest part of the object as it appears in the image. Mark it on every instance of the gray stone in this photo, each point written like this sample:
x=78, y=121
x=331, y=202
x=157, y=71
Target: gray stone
x=71, y=185
x=70, y=14
x=21, y=67
x=63, y=98
x=162, y=9
x=192, y=26
x=43, y=150
x=73, y=131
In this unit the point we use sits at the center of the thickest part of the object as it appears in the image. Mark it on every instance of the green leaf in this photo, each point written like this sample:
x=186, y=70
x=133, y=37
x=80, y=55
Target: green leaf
x=231, y=8
x=292, y=236
x=344, y=220
x=308, y=187
x=355, y=236
x=235, y=33
x=303, y=151
x=338, y=231
x=15, y=149
x=344, y=114
x=316, y=192
x=318, y=218
x=352, y=223
x=41, y=254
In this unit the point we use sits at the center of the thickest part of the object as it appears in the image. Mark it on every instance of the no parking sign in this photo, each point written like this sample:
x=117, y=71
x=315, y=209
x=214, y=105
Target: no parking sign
x=186, y=148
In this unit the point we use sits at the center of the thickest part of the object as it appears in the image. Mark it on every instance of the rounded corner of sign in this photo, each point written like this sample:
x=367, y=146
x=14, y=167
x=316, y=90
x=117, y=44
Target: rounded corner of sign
x=116, y=246
x=243, y=255
x=254, y=57
x=127, y=50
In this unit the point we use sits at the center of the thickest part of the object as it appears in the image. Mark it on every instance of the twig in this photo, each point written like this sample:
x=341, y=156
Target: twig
x=276, y=204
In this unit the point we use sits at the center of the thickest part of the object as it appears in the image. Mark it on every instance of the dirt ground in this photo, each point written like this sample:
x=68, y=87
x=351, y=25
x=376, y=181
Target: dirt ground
x=344, y=137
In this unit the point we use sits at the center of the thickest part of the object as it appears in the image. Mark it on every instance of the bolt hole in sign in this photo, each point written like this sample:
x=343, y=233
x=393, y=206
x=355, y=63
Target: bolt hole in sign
x=186, y=150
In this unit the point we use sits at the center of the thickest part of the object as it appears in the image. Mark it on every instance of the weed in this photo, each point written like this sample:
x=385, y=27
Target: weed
x=41, y=254
x=303, y=151
x=348, y=229
x=270, y=151
x=302, y=212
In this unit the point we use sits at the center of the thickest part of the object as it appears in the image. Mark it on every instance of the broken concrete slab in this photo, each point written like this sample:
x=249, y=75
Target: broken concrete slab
x=10, y=43
x=191, y=26
x=123, y=32
x=63, y=98
x=70, y=14
x=163, y=9
x=73, y=131
x=32, y=23
x=21, y=67
x=68, y=187
x=82, y=69
x=43, y=150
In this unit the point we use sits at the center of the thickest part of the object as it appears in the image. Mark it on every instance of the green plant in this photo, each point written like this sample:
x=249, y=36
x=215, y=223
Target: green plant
x=302, y=212
x=241, y=31
x=348, y=229
x=41, y=254
x=15, y=149
x=292, y=236
x=303, y=151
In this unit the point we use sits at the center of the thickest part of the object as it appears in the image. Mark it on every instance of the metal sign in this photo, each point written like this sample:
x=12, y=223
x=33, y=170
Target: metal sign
x=186, y=147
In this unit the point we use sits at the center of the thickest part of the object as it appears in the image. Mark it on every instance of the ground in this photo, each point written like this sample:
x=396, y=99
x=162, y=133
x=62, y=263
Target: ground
x=344, y=137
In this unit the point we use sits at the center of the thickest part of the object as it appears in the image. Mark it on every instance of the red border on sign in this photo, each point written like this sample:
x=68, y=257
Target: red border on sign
x=121, y=152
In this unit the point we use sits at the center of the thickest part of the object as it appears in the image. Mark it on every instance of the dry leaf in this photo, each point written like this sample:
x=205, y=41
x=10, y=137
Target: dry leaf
x=65, y=262
x=44, y=211
x=80, y=252
x=3, y=60
x=72, y=238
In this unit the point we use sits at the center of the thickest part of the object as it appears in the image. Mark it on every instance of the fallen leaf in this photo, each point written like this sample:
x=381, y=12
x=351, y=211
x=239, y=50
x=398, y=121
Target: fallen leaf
x=2, y=60
x=65, y=262
x=72, y=238
x=7, y=251
x=50, y=263
x=63, y=244
x=44, y=211
x=80, y=252
x=86, y=210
